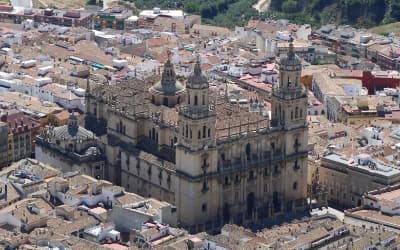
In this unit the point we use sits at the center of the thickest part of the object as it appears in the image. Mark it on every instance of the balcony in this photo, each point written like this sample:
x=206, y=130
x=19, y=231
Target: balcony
x=196, y=113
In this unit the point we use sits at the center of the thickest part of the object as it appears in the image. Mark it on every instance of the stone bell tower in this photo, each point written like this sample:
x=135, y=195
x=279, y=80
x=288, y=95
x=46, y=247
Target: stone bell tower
x=196, y=154
x=289, y=115
x=289, y=98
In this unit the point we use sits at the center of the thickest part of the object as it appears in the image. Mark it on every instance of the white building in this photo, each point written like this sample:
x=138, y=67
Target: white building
x=102, y=232
x=62, y=95
x=155, y=12
x=375, y=136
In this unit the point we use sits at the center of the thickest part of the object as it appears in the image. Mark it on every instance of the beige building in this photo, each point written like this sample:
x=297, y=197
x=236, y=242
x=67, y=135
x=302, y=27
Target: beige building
x=206, y=31
x=71, y=148
x=181, y=26
x=217, y=162
x=347, y=179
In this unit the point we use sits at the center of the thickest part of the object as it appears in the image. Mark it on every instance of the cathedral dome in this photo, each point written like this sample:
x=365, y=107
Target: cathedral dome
x=168, y=85
x=168, y=91
x=72, y=131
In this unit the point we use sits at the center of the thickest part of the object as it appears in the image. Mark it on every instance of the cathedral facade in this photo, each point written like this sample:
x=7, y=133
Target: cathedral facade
x=216, y=161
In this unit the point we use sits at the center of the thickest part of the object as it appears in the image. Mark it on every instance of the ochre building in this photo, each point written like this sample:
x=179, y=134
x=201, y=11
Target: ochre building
x=217, y=162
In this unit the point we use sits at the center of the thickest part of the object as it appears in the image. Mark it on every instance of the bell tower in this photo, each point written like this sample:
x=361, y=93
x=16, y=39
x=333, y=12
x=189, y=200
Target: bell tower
x=289, y=98
x=289, y=118
x=196, y=153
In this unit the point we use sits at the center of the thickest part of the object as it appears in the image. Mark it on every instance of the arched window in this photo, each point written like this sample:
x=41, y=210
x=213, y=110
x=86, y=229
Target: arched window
x=294, y=185
x=187, y=130
x=199, y=135
x=296, y=113
x=209, y=132
x=165, y=101
x=195, y=100
x=188, y=99
x=248, y=151
x=204, y=100
x=204, y=131
x=190, y=136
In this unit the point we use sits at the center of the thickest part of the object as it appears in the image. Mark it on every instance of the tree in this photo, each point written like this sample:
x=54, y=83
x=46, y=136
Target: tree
x=192, y=7
x=289, y=6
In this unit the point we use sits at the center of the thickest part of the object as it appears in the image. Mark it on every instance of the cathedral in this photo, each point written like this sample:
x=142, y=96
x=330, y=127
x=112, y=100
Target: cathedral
x=215, y=161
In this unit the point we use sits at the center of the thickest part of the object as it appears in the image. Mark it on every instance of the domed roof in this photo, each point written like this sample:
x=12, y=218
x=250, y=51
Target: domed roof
x=168, y=85
x=167, y=90
x=197, y=79
x=290, y=59
x=72, y=130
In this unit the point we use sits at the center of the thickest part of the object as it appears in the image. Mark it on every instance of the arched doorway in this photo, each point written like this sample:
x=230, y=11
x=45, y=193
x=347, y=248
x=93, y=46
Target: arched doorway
x=226, y=213
x=251, y=204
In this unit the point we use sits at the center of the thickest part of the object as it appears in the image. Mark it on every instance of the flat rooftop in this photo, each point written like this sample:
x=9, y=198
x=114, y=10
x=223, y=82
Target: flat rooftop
x=379, y=169
x=154, y=14
x=377, y=216
x=392, y=195
x=328, y=85
x=29, y=103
